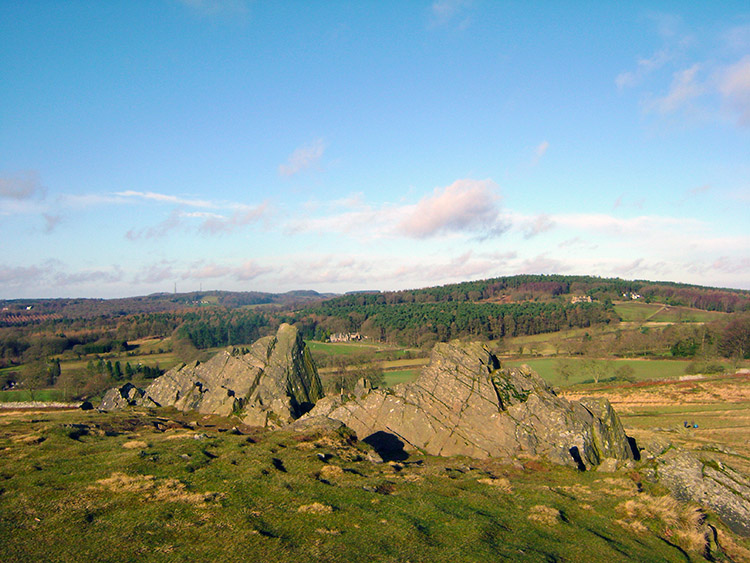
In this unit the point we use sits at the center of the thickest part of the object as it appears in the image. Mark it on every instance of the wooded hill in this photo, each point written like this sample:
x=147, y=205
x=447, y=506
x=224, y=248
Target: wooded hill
x=486, y=309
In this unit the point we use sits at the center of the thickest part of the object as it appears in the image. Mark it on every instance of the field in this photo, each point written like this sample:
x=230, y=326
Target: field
x=636, y=311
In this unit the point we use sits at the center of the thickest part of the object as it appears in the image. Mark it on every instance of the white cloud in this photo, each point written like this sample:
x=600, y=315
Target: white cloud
x=302, y=158
x=165, y=198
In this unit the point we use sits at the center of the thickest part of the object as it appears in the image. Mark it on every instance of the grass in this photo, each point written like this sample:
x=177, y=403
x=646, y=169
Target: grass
x=21, y=395
x=642, y=369
x=163, y=486
x=340, y=348
x=634, y=311
x=400, y=376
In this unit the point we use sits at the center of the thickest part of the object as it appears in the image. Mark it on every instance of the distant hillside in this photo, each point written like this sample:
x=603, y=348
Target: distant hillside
x=522, y=288
x=21, y=311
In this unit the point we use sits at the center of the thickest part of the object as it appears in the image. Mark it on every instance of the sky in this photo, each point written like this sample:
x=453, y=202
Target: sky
x=184, y=145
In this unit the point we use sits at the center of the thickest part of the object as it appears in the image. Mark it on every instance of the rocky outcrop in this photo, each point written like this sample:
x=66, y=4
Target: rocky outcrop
x=121, y=397
x=711, y=484
x=273, y=384
x=465, y=404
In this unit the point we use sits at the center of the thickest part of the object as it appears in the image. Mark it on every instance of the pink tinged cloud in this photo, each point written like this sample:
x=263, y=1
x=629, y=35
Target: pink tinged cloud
x=303, y=158
x=683, y=90
x=734, y=86
x=216, y=224
x=23, y=186
x=464, y=206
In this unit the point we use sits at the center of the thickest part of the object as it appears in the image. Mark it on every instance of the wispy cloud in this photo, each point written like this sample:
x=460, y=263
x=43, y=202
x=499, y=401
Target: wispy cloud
x=217, y=224
x=734, y=85
x=246, y=271
x=51, y=222
x=22, y=186
x=303, y=158
x=644, y=67
x=443, y=12
x=172, y=222
x=166, y=198
x=684, y=89
x=540, y=224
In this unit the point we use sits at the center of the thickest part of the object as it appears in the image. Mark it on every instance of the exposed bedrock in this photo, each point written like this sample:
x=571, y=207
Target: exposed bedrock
x=464, y=403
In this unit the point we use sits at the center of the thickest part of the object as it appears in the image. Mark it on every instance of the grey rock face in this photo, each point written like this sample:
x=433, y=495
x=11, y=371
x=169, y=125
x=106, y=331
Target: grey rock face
x=464, y=404
x=121, y=397
x=272, y=385
x=714, y=485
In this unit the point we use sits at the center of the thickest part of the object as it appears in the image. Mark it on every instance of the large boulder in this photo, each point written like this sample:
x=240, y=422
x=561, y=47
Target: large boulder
x=463, y=403
x=273, y=384
x=709, y=483
x=121, y=397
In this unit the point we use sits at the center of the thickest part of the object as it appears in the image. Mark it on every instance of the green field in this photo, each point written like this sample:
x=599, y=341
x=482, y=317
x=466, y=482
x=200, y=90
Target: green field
x=400, y=376
x=637, y=311
x=21, y=395
x=548, y=368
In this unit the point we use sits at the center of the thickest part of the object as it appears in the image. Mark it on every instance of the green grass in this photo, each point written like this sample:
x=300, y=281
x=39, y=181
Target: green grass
x=21, y=395
x=339, y=349
x=115, y=488
x=634, y=311
x=400, y=376
x=547, y=368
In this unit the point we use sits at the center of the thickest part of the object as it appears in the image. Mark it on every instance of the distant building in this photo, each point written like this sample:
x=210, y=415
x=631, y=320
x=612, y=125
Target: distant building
x=631, y=295
x=581, y=299
x=345, y=337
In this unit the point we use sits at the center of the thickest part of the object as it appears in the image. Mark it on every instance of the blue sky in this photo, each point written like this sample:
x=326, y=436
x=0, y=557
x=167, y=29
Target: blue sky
x=338, y=146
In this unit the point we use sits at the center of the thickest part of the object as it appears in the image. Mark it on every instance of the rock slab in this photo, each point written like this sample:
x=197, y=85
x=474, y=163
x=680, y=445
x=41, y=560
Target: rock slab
x=463, y=403
x=273, y=384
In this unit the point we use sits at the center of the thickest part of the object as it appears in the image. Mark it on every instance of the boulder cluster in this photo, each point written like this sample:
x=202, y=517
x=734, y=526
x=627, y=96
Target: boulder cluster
x=271, y=385
x=464, y=403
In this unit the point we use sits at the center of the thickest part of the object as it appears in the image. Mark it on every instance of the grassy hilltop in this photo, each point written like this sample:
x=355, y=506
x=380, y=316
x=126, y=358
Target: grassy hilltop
x=165, y=486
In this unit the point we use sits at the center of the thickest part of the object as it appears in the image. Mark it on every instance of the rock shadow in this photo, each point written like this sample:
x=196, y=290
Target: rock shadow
x=634, y=448
x=387, y=445
x=576, y=455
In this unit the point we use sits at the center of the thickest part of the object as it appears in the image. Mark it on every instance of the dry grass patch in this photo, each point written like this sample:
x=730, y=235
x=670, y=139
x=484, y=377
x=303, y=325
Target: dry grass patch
x=500, y=483
x=135, y=445
x=152, y=489
x=315, y=508
x=544, y=515
x=619, y=487
x=680, y=523
x=330, y=472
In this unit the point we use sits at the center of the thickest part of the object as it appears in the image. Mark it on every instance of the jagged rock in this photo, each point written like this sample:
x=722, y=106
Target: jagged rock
x=711, y=484
x=121, y=397
x=272, y=385
x=464, y=404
